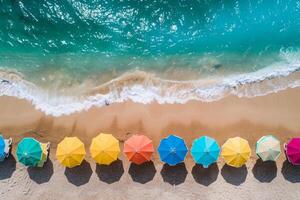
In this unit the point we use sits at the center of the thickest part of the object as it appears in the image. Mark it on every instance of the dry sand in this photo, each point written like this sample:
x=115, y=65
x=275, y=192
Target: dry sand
x=249, y=118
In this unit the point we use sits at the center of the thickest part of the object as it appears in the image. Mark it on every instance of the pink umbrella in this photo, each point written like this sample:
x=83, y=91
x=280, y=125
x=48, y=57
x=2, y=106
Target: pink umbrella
x=292, y=149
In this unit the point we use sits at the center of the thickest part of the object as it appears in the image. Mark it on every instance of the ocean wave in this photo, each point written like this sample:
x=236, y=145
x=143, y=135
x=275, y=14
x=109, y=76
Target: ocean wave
x=144, y=87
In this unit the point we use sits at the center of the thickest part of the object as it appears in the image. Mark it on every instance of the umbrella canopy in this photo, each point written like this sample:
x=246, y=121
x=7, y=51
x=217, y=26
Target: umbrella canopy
x=2, y=148
x=138, y=149
x=172, y=150
x=236, y=151
x=293, y=151
x=105, y=149
x=29, y=152
x=70, y=152
x=268, y=148
x=205, y=151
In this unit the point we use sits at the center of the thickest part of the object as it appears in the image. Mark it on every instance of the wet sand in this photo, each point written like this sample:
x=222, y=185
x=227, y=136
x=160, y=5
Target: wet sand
x=252, y=118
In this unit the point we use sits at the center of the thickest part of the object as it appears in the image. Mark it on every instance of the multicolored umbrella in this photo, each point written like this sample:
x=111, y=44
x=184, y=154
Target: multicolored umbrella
x=138, y=149
x=70, y=152
x=2, y=148
x=205, y=151
x=236, y=151
x=172, y=150
x=29, y=152
x=292, y=149
x=105, y=149
x=268, y=148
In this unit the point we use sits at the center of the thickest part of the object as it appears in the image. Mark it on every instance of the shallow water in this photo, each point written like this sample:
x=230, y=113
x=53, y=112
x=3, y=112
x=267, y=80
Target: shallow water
x=58, y=51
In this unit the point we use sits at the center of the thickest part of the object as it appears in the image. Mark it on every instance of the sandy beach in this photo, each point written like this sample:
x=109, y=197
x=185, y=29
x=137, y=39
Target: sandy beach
x=155, y=68
x=250, y=118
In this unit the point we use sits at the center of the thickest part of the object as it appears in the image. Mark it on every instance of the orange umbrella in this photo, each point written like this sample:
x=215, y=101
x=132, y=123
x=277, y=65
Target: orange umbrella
x=138, y=149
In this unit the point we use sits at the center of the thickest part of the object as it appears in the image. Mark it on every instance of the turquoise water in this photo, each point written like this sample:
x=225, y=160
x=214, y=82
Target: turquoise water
x=57, y=43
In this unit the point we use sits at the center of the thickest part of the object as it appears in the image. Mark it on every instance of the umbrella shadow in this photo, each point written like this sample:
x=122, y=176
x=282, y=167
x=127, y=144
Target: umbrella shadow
x=79, y=175
x=234, y=176
x=174, y=175
x=41, y=174
x=205, y=176
x=7, y=167
x=264, y=172
x=142, y=173
x=290, y=172
x=110, y=173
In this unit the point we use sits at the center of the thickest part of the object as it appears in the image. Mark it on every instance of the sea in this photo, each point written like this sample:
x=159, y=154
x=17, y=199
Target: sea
x=66, y=56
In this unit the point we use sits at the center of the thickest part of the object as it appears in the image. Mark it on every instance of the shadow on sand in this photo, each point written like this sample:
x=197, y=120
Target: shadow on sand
x=142, y=173
x=234, y=176
x=205, y=176
x=290, y=172
x=41, y=174
x=7, y=167
x=110, y=173
x=79, y=175
x=174, y=175
x=264, y=172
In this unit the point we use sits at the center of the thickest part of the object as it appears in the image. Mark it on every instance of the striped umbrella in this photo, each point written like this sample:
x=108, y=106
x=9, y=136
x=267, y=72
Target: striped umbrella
x=268, y=148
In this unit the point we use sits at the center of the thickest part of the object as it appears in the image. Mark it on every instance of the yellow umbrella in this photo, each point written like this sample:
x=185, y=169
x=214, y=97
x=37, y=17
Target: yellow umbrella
x=70, y=152
x=236, y=151
x=105, y=149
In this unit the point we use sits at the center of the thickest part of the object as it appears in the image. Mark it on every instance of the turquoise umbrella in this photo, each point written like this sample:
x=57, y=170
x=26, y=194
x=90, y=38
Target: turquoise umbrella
x=29, y=152
x=2, y=147
x=205, y=151
x=172, y=150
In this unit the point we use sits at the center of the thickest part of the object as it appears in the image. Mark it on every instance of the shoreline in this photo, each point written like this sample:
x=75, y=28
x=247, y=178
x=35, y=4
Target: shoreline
x=251, y=118
x=146, y=88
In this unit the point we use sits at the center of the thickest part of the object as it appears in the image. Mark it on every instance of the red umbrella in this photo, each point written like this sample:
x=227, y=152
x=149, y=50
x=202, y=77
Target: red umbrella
x=138, y=149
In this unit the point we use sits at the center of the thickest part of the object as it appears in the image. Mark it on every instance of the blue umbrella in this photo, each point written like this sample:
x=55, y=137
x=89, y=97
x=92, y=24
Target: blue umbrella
x=172, y=150
x=205, y=151
x=2, y=147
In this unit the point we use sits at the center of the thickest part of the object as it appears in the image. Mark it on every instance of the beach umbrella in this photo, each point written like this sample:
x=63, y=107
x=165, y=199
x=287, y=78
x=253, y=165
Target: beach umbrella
x=172, y=150
x=29, y=152
x=138, y=149
x=268, y=148
x=105, y=149
x=70, y=152
x=236, y=151
x=2, y=148
x=205, y=151
x=292, y=149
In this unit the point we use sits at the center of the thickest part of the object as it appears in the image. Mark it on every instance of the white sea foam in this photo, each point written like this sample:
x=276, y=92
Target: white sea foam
x=274, y=78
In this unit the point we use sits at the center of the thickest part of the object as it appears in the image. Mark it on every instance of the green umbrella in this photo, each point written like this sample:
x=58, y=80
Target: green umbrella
x=29, y=152
x=268, y=148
